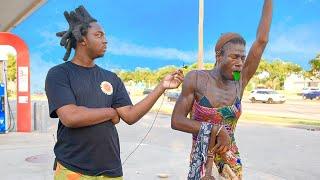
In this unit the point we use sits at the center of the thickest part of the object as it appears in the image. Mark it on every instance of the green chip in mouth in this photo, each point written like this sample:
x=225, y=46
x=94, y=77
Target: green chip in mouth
x=236, y=75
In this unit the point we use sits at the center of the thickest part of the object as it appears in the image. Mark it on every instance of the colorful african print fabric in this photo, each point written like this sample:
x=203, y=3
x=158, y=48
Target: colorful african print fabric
x=63, y=173
x=226, y=116
x=199, y=155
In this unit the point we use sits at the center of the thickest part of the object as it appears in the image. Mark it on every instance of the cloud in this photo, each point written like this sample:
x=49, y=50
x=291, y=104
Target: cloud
x=119, y=47
x=41, y=65
x=300, y=39
x=49, y=40
x=48, y=37
x=294, y=41
x=39, y=68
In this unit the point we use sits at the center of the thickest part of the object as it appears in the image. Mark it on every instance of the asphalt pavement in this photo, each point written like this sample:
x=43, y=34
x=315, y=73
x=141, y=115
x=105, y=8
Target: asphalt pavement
x=268, y=152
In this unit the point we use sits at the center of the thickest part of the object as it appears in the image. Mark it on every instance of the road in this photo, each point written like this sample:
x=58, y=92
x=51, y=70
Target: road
x=268, y=152
x=294, y=108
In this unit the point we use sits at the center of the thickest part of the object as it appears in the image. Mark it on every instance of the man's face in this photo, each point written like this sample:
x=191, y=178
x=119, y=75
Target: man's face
x=96, y=41
x=232, y=59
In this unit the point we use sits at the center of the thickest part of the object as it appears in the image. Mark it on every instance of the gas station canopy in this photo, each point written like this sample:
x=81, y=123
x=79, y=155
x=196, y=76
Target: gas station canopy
x=13, y=12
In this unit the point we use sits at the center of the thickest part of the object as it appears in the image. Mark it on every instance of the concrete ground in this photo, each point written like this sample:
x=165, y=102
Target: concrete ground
x=268, y=152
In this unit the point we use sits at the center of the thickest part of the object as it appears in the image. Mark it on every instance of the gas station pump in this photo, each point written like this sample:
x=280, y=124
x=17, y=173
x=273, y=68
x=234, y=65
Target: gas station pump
x=3, y=97
x=3, y=127
x=23, y=102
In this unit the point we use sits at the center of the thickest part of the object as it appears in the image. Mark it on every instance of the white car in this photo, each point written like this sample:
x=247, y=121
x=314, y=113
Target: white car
x=266, y=95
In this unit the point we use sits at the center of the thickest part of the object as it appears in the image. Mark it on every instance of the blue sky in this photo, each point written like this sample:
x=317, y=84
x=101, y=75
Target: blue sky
x=152, y=34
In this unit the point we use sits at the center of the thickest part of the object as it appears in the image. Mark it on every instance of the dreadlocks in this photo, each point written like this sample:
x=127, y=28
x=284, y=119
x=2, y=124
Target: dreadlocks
x=78, y=21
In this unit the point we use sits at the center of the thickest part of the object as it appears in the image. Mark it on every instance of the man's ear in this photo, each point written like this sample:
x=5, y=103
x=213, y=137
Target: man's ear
x=83, y=41
x=219, y=58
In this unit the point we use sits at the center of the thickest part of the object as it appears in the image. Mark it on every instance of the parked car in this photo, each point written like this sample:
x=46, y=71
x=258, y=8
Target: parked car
x=308, y=90
x=267, y=96
x=311, y=95
x=172, y=96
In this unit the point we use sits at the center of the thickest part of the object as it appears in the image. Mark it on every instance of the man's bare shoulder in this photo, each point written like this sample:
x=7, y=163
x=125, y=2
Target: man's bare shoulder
x=191, y=75
x=196, y=75
x=194, y=78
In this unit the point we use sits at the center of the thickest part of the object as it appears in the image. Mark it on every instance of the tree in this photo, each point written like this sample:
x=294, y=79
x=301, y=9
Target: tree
x=270, y=74
x=194, y=66
x=12, y=67
x=162, y=72
x=276, y=73
x=315, y=66
x=125, y=75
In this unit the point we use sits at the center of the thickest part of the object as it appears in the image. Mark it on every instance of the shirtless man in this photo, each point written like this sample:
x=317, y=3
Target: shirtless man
x=214, y=97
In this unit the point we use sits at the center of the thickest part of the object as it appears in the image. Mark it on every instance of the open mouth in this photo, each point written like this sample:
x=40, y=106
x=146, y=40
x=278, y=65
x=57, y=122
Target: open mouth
x=237, y=67
x=236, y=75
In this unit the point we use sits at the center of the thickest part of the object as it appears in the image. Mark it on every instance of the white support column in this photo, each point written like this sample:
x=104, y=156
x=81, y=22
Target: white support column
x=200, y=35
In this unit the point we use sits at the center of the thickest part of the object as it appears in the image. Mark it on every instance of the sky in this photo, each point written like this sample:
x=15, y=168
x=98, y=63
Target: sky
x=152, y=34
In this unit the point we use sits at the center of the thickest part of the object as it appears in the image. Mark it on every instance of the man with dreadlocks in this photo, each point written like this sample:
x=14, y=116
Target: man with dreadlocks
x=89, y=101
x=214, y=99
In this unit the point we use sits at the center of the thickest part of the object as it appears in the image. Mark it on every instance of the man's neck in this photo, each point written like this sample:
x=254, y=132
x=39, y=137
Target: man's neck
x=84, y=61
x=216, y=72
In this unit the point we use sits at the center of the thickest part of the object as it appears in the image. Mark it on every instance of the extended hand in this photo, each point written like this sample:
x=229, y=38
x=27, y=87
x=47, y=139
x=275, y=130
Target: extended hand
x=173, y=80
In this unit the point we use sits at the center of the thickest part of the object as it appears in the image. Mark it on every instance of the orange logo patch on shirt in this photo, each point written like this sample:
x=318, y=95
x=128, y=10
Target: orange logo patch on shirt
x=106, y=87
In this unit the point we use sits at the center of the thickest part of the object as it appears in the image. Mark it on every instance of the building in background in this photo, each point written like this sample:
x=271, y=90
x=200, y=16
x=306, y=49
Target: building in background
x=295, y=83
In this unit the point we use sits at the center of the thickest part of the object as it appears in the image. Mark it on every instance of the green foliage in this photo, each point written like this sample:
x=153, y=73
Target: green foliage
x=315, y=67
x=12, y=67
x=150, y=78
x=277, y=72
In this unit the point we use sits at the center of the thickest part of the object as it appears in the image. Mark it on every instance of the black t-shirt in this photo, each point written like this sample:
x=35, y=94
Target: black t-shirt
x=93, y=149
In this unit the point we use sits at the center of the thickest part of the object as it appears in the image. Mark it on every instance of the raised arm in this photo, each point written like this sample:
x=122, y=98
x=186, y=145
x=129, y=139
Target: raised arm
x=256, y=51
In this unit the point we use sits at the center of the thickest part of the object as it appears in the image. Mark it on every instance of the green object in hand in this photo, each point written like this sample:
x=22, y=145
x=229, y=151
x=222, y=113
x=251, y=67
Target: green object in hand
x=236, y=75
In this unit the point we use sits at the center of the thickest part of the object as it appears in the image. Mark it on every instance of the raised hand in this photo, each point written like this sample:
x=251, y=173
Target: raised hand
x=173, y=80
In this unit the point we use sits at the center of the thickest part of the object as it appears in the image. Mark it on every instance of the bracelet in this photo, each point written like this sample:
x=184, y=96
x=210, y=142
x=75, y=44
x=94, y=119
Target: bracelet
x=219, y=130
x=210, y=155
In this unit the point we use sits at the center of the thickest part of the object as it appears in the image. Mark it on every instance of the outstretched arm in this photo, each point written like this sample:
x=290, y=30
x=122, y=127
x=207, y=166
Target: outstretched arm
x=132, y=114
x=255, y=53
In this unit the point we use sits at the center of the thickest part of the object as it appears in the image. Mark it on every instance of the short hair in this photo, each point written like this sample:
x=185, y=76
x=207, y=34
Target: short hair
x=79, y=21
x=225, y=38
x=237, y=40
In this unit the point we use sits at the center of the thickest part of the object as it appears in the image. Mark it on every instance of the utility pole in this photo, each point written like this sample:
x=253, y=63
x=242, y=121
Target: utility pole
x=200, y=35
